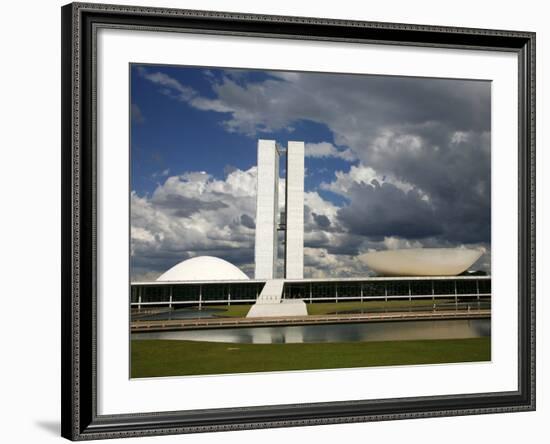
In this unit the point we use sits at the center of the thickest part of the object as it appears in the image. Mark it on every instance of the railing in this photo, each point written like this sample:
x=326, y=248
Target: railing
x=180, y=324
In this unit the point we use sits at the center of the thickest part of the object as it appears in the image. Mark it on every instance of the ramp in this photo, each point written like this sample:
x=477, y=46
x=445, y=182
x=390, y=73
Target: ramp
x=272, y=293
x=270, y=302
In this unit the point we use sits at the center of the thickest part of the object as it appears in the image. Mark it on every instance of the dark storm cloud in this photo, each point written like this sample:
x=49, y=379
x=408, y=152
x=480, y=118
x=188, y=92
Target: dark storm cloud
x=184, y=206
x=247, y=221
x=236, y=256
x=321, y=220
x=384, y=210
x=345, y=244
x=456, y=176
x=350, y=105
x=460, y=104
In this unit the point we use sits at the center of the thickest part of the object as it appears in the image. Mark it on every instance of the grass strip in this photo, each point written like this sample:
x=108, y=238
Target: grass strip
x=153, y=358
x=321, y=308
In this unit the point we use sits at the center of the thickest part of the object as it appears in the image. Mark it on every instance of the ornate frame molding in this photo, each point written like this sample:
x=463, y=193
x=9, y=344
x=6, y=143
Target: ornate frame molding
x=80, y=22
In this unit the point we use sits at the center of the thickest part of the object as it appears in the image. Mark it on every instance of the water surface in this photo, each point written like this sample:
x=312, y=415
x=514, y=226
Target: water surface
x=359, y=332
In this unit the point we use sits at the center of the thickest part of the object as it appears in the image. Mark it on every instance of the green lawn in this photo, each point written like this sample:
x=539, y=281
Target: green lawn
x=330, y=307
x=152, y=358
x=233, y=311
x=321, y=308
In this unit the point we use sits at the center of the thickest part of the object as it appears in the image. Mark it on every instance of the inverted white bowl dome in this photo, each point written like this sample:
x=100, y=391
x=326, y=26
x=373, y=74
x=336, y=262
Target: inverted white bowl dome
x=203, y=268
x=422, y=261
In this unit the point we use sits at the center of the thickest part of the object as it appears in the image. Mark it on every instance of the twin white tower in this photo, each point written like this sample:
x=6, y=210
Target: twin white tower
x=269, y=219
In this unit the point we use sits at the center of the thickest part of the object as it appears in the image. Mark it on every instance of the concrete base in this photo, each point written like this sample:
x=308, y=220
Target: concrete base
x=271, y=304
x=282, y=309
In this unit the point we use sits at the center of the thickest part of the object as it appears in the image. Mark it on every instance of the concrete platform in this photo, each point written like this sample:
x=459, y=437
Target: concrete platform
x=271, y=304
x=284, y=308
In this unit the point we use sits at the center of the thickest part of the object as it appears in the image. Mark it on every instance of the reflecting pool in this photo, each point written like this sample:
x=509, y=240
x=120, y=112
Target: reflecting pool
x=357, y=332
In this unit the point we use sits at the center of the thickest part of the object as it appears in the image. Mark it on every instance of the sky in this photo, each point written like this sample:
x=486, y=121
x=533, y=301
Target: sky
x=391, y=162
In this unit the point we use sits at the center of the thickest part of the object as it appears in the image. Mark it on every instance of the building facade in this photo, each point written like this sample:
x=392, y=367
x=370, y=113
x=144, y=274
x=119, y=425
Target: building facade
x=173, y=294
x=268, y=211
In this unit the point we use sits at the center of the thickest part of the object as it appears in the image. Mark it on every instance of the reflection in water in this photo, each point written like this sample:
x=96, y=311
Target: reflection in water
x=360, y=332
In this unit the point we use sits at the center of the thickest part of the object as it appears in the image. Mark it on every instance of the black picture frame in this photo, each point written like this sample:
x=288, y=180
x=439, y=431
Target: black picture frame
x=79, y=171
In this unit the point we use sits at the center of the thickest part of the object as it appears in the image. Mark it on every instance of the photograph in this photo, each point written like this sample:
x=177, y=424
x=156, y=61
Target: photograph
x=302, y=220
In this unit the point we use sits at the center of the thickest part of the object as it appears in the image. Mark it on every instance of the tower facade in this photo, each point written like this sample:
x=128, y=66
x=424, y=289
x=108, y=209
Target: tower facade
x=294, y=211
x=267, y=207
x=267, y=211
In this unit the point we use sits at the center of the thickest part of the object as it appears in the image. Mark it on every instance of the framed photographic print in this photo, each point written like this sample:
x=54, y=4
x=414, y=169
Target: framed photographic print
x=277, y=221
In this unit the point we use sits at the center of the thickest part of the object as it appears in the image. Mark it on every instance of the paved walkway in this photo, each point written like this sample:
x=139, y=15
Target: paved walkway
x=194, y=324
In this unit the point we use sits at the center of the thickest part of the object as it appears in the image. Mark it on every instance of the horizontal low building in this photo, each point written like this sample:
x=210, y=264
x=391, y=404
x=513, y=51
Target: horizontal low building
x=178, y=293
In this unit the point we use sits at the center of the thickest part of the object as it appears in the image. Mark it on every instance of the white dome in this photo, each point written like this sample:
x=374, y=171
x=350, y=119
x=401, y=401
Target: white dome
x=422, y=261
x=203, y=268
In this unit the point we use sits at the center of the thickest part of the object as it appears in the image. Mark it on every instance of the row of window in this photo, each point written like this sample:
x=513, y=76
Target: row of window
x=313, y=290
x=389, y=288
x=191, y=293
